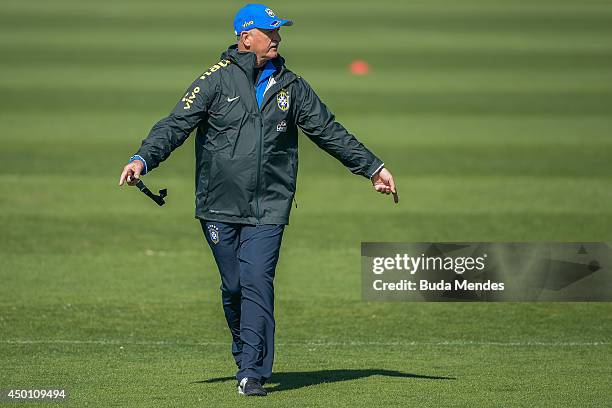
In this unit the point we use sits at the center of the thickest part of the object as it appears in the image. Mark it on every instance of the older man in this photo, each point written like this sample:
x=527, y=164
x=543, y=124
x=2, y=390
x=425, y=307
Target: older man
x=247, y=109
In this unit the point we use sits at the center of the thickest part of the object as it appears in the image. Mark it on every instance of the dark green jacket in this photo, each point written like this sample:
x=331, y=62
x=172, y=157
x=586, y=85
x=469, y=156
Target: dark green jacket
x=246, y=156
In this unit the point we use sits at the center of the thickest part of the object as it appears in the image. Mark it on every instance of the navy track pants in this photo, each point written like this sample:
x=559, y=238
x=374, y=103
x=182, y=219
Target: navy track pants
x=246, y=256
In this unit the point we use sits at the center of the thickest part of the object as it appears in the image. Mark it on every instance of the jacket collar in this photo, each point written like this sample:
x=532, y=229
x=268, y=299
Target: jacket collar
x=246, y=60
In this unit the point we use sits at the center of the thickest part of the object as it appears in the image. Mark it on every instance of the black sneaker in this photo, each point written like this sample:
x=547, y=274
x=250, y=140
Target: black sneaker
x=251, y=387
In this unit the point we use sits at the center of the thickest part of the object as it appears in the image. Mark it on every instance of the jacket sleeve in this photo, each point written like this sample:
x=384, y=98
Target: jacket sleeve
x=170, y=132
x=319, y=124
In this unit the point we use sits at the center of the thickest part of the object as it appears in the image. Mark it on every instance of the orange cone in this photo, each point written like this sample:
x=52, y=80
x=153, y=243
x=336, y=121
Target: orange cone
x=359, y=67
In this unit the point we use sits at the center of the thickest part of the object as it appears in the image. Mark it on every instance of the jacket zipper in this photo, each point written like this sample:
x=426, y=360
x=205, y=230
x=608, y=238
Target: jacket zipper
x=260, y=156
x=259, y=160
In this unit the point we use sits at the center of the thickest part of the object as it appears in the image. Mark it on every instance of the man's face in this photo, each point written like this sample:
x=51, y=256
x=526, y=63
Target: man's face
x=264, y=43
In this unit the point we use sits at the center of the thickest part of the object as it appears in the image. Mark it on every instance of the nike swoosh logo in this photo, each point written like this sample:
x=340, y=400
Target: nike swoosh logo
x=232, y=99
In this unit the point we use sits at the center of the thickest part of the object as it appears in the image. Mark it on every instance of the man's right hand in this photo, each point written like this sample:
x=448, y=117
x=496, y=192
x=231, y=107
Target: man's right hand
x=131, y=173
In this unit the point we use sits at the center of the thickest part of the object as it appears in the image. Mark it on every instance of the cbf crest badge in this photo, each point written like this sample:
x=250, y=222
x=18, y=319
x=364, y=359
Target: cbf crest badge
x=282, y=99
x=213, y=232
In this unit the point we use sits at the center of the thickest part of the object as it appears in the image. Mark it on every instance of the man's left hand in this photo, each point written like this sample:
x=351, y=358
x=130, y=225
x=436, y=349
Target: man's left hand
x=384, y=184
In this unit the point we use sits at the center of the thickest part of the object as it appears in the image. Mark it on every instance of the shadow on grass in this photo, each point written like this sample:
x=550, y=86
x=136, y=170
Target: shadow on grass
x=293, y=380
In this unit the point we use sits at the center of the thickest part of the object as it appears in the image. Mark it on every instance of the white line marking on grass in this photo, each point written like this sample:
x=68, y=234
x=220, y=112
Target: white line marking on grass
x=459, y=343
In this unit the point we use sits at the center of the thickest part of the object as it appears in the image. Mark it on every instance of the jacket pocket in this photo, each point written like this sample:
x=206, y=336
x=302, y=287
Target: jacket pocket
x=279, y=183
x=279, y=173
x=203, y=166
x=231, y=184
x=294, y=167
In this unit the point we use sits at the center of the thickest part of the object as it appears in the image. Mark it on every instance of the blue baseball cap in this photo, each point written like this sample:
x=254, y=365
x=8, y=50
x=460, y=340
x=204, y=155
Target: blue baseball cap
x=257, y=16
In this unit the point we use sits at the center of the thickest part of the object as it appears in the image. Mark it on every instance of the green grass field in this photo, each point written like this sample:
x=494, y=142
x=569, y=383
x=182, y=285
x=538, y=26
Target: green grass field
x=494, y=117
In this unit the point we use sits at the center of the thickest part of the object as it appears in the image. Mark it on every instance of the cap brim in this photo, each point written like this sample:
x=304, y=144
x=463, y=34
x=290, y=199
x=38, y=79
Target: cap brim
x=277, y=24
